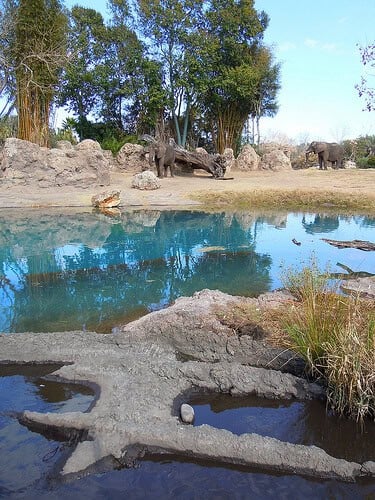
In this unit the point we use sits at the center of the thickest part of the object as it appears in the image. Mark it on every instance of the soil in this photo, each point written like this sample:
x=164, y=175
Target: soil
x=180, y=190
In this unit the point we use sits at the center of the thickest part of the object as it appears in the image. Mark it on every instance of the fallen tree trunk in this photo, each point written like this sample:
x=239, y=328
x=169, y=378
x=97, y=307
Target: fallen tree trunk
x=367, y=246
x=213, y=164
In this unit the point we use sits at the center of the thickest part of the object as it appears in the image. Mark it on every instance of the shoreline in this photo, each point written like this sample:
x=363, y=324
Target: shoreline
x=297, y=189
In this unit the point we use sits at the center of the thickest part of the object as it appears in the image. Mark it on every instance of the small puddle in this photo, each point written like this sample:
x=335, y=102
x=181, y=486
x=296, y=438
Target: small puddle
x=298, y=422
x=28, y=458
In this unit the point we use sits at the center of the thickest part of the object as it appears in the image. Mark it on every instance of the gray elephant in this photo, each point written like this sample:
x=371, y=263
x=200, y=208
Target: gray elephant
x=164, y=156
x=327, y=152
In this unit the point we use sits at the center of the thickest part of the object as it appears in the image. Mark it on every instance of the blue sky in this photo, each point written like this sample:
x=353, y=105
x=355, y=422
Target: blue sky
x=316, y=42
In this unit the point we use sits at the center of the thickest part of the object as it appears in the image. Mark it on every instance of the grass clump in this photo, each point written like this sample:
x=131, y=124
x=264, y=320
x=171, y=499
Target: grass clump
x=335, y=334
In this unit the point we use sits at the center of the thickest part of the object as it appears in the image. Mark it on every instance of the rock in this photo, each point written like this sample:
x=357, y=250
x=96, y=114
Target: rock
x=106, y=199
x=88, y=144
x=143, y=357
x=275, y=160
x=247, y=159
x=146, y=181
x=365, y=287
x=187, y=413
x=201, y=151
x=229, y=159
x=64, y=145
x=132, y=158
x=26, y=163
x=350, y=164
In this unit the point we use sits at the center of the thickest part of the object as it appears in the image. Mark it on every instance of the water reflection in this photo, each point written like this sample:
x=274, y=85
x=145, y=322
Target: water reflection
x=299, y=422
x=85, y=270
x=320, y=224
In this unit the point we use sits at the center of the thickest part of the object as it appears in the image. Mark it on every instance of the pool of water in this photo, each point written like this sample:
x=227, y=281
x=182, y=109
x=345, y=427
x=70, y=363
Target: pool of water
x=30, y=463
x=83, y=270
x=298, y=422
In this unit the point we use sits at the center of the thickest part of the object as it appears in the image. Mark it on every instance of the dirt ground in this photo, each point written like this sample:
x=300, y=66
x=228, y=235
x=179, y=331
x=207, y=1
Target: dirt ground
x=180, y=190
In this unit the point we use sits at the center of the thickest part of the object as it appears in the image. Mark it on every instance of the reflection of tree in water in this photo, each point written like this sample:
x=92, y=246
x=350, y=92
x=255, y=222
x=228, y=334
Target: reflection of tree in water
x=321, y=224
x=95, y=288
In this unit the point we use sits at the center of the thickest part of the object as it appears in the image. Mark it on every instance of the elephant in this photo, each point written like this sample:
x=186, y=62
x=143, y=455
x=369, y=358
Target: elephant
x=326, y=151
x=164, y=156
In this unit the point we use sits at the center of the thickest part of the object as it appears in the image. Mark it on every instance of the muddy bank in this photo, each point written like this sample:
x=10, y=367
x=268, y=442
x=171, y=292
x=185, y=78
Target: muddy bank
x=149, y=367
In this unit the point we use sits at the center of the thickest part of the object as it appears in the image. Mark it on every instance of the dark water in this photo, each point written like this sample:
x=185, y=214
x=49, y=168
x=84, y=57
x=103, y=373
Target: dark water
x=64, y=271
x=67, y=271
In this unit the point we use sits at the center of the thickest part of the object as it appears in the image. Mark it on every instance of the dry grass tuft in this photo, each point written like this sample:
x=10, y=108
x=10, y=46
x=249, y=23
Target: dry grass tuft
x=335, y=334
x=288, y=199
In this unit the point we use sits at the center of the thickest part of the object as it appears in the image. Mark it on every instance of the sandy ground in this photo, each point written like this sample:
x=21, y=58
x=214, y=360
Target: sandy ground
x=178, y=191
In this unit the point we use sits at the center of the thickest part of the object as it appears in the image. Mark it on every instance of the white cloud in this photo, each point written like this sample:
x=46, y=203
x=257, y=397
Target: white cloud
x=310, y=42
x=324, y=46
x=286, y=46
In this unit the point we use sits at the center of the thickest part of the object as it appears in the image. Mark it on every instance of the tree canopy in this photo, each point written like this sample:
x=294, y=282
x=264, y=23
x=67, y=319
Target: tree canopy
x=184, y=68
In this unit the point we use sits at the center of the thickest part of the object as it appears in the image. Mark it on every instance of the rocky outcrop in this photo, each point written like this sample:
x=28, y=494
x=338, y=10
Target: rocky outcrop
x=106, y=199
x=247, y=159
x=26, y=163
x=145, y=181
x=275, y=160
x=132, y=158
x=147, y=370
x=229, y=159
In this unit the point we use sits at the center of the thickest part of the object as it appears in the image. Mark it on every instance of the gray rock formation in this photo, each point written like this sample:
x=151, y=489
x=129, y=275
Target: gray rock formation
x=248, y=159
x=275, y=160
x=106, y=199
x=146, y=180
x=229, y=158
x=25, y=163
x=148, y=369
x=131, y=158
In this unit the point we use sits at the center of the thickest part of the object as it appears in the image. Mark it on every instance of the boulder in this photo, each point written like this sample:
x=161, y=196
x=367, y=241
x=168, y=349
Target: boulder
x=275, y=160
x=106, y=199
x=26, y=163
x=132, y=158
x=229, y=159
x=248, y=159
x=146, y=180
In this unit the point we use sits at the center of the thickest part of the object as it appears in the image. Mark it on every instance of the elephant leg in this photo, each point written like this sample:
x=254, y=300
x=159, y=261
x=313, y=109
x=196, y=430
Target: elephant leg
x=320, y=161
x=158, y=167
x=161, y=167
x=172, y=169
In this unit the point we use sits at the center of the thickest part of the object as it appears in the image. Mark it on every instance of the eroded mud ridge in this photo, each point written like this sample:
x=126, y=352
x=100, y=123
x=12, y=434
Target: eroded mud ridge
x=151, y=366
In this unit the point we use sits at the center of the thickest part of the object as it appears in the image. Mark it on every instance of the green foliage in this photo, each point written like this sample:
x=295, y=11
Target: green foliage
x=8, y=127
x=38, y=52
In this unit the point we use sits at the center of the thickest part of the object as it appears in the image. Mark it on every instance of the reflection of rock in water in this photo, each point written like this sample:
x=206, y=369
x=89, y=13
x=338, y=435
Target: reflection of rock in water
x=321, y=224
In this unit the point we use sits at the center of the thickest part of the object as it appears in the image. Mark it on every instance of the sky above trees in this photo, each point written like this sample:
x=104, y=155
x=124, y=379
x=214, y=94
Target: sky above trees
x=317, y=45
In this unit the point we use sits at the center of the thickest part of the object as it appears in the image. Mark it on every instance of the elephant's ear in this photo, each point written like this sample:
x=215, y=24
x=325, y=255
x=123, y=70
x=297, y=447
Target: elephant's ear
x=320, y=147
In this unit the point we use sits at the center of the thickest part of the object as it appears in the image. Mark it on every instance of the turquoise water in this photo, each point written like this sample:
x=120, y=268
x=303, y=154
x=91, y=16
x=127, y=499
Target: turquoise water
x=85, y=270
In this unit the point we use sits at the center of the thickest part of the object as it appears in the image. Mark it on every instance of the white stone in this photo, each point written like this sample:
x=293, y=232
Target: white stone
x=187, y=413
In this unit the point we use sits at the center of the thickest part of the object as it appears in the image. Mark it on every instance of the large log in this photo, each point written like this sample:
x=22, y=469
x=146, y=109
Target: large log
x=367, y=246
x=213, y=164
